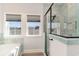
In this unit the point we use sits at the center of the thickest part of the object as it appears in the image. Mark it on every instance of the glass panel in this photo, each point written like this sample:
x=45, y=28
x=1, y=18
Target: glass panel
x=59, y=14
x=33, y=28
x=15, y=28
x=66, y=20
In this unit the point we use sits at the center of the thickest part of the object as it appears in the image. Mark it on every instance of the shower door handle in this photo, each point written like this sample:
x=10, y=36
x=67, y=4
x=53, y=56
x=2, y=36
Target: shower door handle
x=51, y=39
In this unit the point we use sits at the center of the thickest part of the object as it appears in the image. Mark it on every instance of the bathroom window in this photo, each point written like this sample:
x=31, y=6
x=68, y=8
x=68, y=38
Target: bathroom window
x=14, y=27
x=33, y=22
x=13, y=24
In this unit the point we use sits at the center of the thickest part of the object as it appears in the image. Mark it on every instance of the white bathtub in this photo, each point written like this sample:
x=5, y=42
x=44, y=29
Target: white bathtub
x=10, y=49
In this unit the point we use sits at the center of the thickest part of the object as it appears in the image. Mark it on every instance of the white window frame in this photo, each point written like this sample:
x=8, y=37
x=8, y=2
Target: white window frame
x=40, y=27
x=5, y=25
x=25, y=27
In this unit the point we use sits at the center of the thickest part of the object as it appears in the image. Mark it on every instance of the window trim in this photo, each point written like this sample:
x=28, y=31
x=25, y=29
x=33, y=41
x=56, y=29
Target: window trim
x=4, y=27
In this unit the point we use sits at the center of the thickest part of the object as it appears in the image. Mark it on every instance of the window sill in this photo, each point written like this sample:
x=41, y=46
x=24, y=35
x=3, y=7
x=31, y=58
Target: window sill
x=33, y=35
